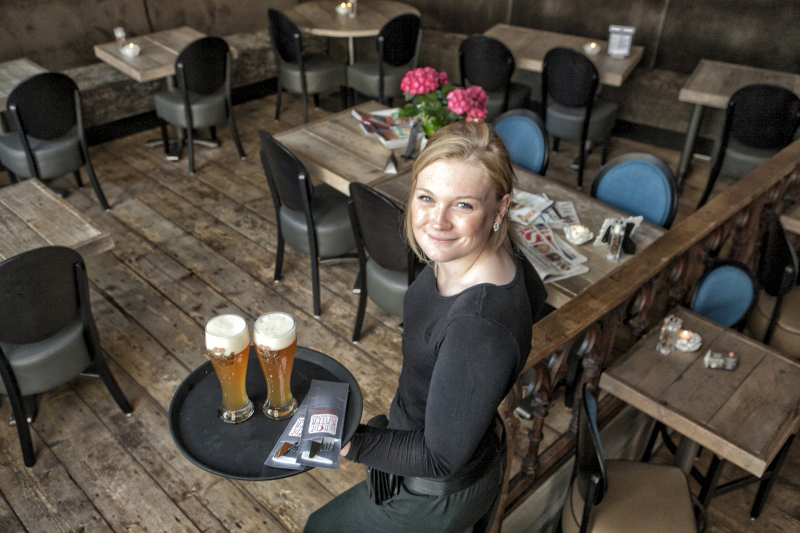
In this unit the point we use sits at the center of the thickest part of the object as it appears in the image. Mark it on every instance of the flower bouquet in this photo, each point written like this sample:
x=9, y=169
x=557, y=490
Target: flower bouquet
x=430, y=96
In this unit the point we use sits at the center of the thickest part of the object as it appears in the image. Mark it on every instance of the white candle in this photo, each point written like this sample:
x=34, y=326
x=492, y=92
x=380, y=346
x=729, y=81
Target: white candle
x=685, y=335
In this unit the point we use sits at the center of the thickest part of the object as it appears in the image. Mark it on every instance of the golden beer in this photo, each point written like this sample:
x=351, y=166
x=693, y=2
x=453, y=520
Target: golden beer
x=227, y=345
x=275, y=339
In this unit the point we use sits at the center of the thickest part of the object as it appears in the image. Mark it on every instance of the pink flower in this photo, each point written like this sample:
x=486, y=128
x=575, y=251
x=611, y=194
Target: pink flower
x=421, y=81
x=470, y=102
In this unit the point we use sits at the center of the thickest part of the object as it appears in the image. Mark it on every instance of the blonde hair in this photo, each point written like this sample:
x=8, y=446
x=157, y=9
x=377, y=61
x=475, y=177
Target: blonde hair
x=474, y=144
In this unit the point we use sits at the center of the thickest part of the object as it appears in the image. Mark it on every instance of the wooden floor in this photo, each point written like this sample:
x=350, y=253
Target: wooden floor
x=188, y=248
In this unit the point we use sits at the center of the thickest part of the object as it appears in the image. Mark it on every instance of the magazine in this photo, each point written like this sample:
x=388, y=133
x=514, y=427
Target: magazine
x=386, y=126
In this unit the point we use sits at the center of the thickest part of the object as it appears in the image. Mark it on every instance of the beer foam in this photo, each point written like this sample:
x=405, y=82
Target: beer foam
x=228, y=332
x=274, y=330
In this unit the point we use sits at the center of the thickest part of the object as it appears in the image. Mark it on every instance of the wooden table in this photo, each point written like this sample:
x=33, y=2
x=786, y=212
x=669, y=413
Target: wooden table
x=711, y=84
x=157, y=57
x=335, y=151
x=744, y=416
x=529, y=47
x=320, y=18
x=32, y=216
x=11, y=73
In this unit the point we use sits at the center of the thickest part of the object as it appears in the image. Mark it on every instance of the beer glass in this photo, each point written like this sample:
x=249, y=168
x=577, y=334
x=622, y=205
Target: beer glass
x=275, y=340
x=227, y=345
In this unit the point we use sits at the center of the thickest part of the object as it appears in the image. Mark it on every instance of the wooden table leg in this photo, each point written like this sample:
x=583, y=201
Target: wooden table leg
x=688, y=148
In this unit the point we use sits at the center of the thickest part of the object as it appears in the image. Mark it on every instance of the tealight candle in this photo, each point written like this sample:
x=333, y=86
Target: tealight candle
x=579, y=230
x=685, y=335
x=591, y=48
x=343, y=8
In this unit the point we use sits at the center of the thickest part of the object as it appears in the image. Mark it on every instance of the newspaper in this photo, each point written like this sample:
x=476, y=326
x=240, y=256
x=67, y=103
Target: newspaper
x=386, y=126
x=549, y=254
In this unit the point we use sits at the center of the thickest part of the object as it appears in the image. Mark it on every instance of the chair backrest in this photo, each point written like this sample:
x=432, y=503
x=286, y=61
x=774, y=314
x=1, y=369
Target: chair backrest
x=525, y=137
x=397, y=41
x=45, y=105
x=285, y=36
x=379, y=227
x=39, y=293
x=485, y=61
x=763, y=116
x=203, y=66
x=639, y=184
x=569, y=78
x=284, y=172
x=590, y=464
x=777, y=269
x=725, y=293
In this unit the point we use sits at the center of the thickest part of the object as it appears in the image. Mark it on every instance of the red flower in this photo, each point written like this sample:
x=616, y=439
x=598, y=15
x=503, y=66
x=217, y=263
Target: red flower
x=421, y=81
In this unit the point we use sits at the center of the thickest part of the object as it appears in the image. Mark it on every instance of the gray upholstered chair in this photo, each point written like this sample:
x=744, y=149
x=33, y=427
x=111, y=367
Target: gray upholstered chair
x=622, y=496
x=202, y=98
x=49, y=139
x=300, y=72
x=311, y=219
x=760, y=120
x=398, y=45
x=487, y=62
x=387, y=266
x=571, y=107
x=47, y=332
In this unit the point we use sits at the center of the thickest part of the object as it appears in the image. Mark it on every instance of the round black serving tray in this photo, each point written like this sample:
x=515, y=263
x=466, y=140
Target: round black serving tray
x=238, y=451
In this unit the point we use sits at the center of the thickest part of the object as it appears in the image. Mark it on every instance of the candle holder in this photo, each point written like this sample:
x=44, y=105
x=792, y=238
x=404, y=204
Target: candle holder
x=343, y=9
x=578, y=234
x=130, y=50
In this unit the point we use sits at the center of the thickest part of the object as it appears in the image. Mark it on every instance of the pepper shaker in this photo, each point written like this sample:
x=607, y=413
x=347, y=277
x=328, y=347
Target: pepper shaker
x=616, y=235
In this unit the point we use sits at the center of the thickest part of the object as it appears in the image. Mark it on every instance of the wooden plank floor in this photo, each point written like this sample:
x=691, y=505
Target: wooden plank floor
x=187, y=248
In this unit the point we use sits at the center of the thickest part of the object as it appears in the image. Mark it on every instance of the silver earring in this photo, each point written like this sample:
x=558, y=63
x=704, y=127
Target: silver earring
x=496, y=226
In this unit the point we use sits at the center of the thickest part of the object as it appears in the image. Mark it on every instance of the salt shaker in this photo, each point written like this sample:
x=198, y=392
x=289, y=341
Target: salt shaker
x=354, y=10
x=119, y=35
x=616, y=235
x=669, y=334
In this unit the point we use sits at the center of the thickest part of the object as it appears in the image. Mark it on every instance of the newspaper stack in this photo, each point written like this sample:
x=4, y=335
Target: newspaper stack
x=551, y=256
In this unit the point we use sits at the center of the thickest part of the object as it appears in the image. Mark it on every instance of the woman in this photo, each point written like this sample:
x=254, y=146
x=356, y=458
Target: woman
x=467, y=334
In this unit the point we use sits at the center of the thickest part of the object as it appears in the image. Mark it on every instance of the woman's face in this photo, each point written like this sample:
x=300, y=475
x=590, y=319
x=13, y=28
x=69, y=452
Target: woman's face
x=453, y=210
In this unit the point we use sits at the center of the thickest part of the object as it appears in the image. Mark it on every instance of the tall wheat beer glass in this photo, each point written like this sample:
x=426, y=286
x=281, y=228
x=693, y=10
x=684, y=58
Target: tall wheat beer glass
x=275, y=340
x=227, y=345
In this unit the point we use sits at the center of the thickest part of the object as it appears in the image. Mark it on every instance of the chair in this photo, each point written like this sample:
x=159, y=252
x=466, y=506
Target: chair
x=725, y=293
x=49, y=142
x=639, y=184
x=571, y=107
x=526, y=139
x=312, y=219
x=47, y=332
x=299, y=72
x=620, y=496
x=776, y=317
x=487, y=62
x=760, y=120
x=387, y=266
x=203, y=96
x=398, y=45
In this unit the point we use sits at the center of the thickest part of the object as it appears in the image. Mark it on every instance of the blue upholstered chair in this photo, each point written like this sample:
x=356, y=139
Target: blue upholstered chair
x=725, y=294
x=526, y=139
x=639, y=184
x=760, y=120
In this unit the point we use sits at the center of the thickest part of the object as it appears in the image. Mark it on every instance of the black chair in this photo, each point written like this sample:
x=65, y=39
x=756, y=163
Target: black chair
x=398, y=45
x=299, y=72
x=571, y=107
x=312, y=219
x=639, y=184
x=760, y=120
x=620, y=496
x=203, y=96
x=777, y=275
x=387, y=266
x=525, y=138
x=47, y=332
x=49, y=139
x=487, y=62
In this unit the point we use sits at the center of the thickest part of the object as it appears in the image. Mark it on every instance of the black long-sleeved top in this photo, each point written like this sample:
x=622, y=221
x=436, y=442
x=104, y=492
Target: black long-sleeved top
x=461, y=355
